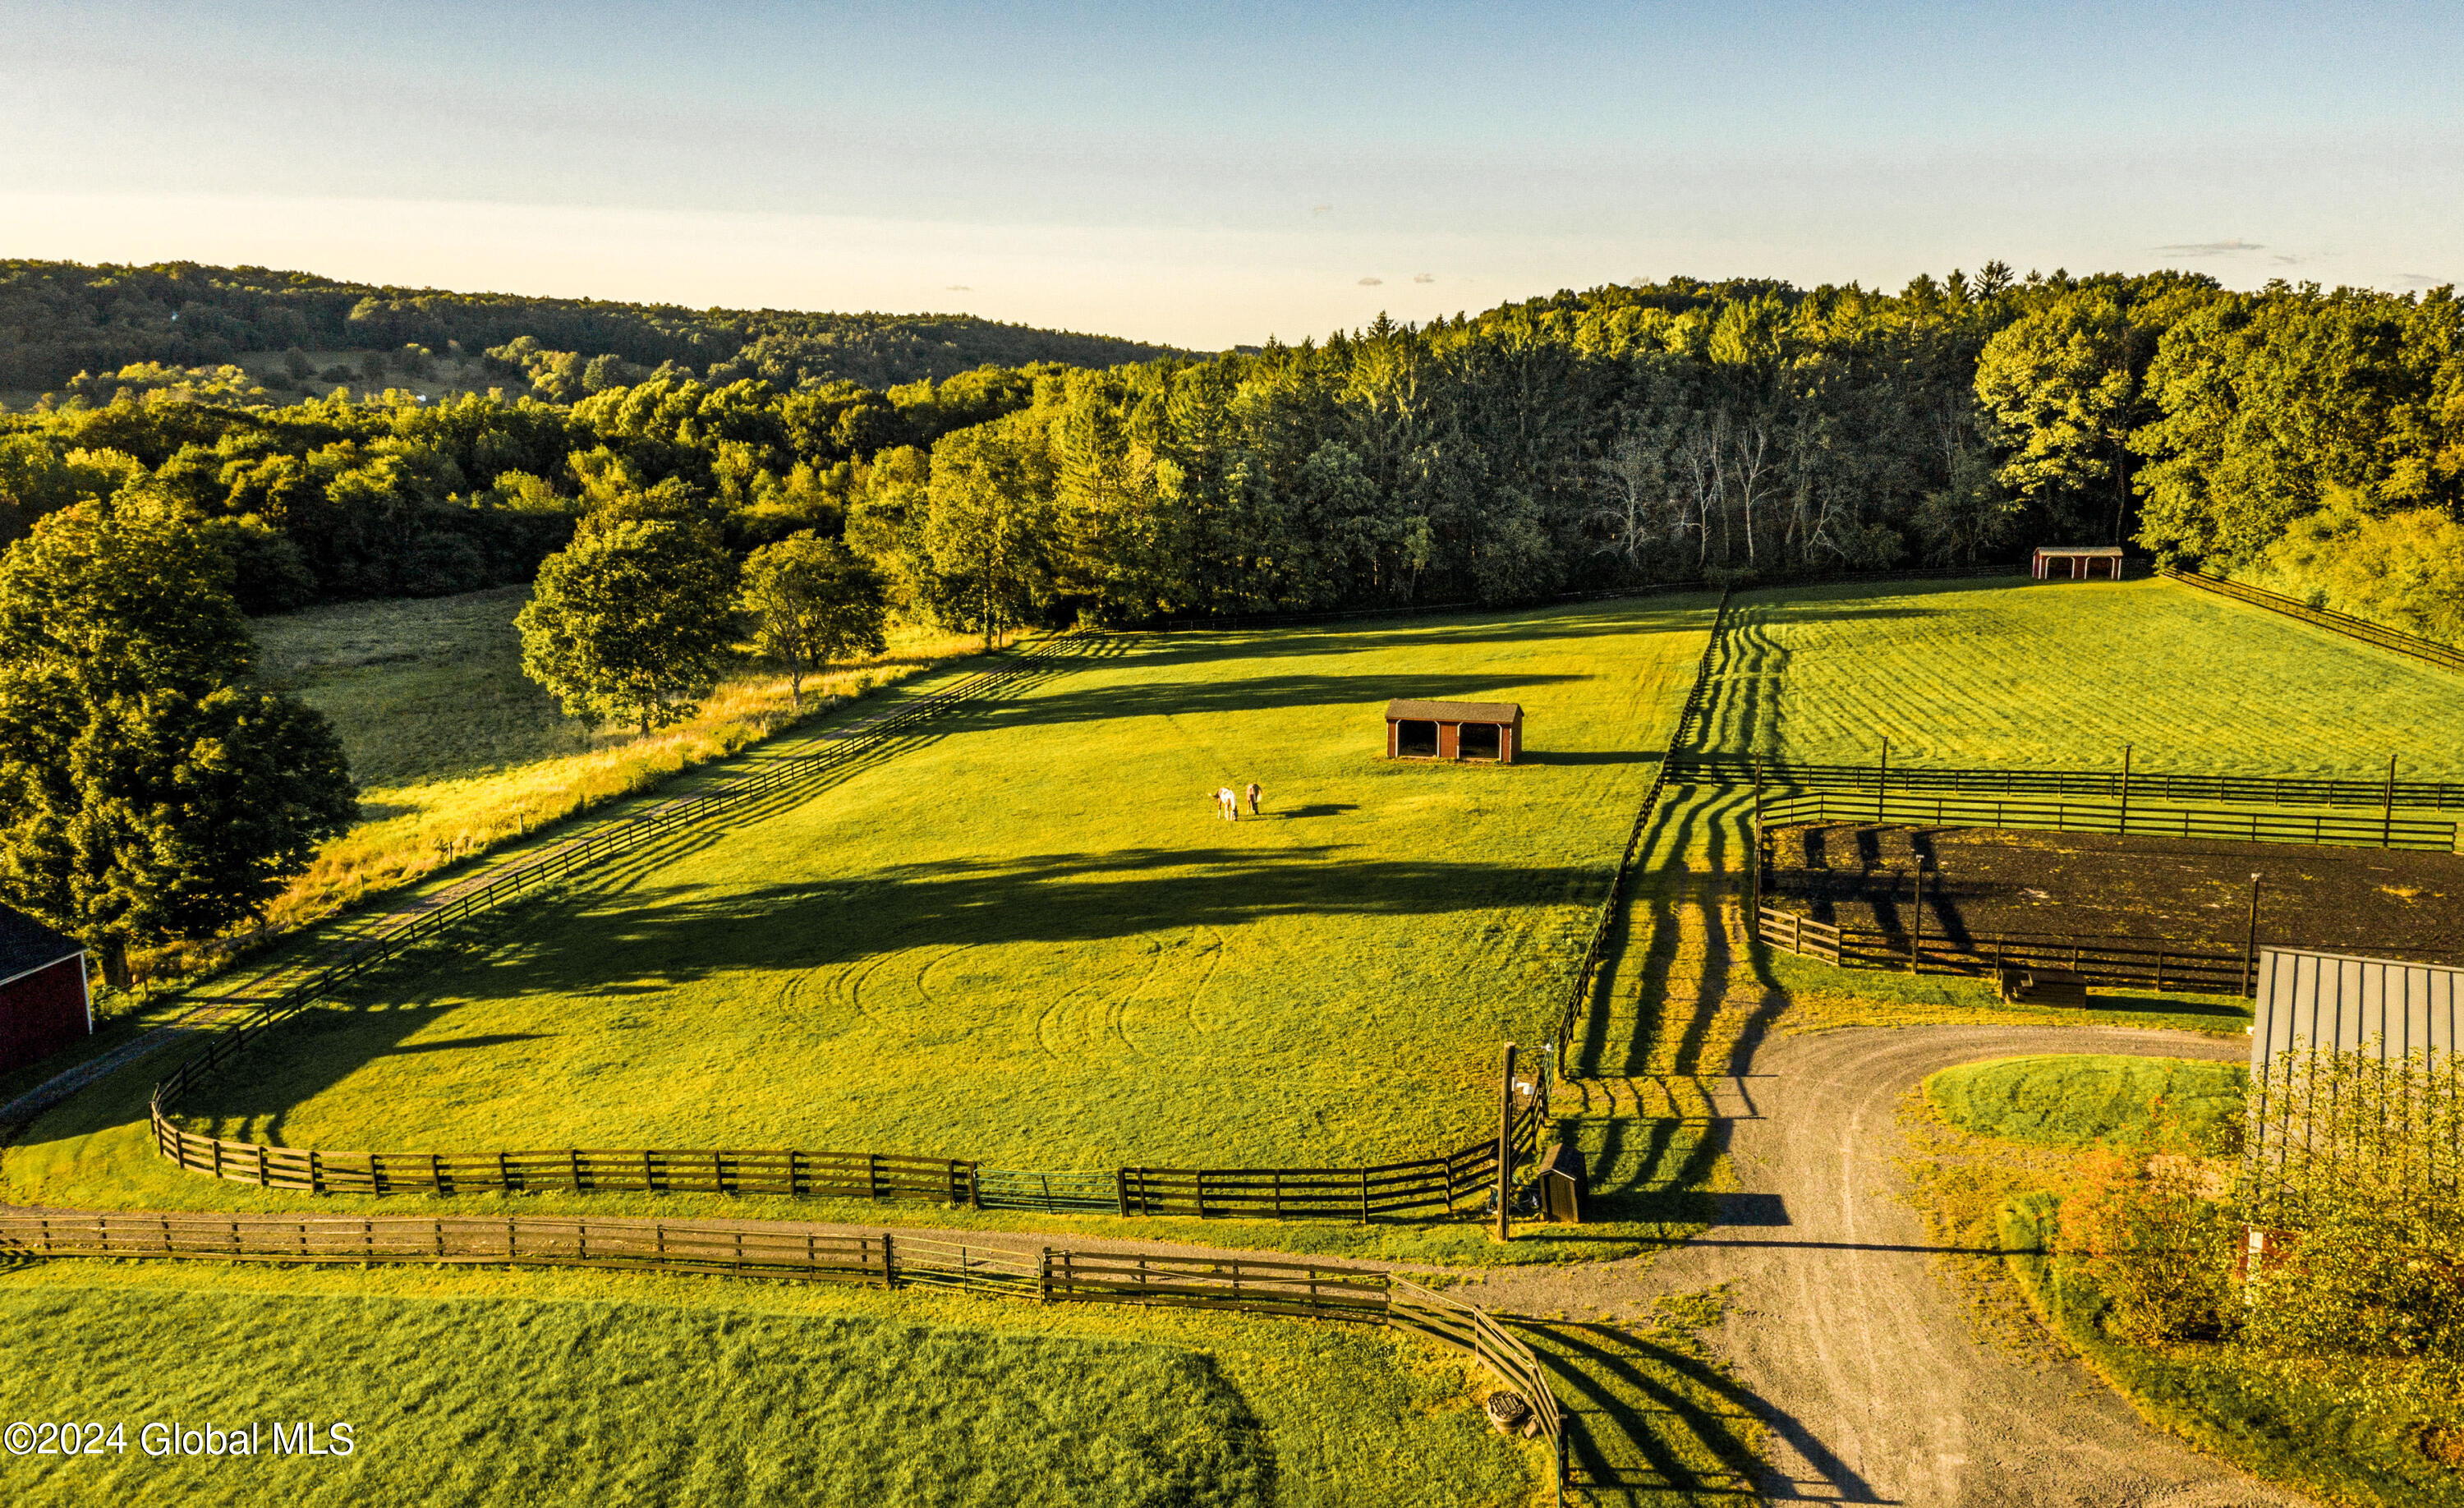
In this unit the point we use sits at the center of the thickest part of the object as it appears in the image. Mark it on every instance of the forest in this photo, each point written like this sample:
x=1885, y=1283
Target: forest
x=59, y=319
x=2308, y=438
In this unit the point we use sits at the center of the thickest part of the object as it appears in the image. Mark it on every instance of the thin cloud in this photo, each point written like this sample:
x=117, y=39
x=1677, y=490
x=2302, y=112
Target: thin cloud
x=2422, y=280
x=1372, y=282
x=1425, y=278
x=1319, y=210
x=2210, y=247
x=958, y=288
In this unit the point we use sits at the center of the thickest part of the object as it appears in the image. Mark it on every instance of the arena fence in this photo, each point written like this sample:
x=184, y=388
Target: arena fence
x=2200, y=968
x=1798, y=808
x=2428, y=650
x=889, y=1259
x=2379, y=792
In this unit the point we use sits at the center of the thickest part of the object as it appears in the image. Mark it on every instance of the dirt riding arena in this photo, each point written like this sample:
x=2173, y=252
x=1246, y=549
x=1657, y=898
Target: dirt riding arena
x=1985, y=882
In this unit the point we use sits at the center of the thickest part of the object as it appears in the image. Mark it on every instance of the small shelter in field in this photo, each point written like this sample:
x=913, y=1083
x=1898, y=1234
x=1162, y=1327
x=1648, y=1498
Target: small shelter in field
x=2079, y=562
x=44, y=1004
x=1454, y=731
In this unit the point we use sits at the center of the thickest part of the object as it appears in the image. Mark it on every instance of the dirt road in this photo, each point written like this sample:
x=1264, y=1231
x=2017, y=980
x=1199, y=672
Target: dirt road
x=1869, y=1372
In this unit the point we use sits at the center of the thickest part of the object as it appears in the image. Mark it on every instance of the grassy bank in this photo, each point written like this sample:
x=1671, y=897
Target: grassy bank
x=554, y=1388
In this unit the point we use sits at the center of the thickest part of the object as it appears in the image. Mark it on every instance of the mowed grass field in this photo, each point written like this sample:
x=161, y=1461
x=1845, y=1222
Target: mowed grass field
x=504, y=1388
x=1992, y=674
x=1030, y=941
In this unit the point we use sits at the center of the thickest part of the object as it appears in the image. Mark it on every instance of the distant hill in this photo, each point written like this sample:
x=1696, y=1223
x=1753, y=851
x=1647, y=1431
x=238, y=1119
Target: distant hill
x=59, y=318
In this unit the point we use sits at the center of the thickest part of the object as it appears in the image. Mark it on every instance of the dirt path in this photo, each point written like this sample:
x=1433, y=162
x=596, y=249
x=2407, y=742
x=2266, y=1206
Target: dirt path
x=1866, y=1367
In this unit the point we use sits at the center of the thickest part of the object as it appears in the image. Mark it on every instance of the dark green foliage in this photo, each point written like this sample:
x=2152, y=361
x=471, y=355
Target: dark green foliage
x=63, y=317
x=631, y=623
x=146, y=791
x=812, y=602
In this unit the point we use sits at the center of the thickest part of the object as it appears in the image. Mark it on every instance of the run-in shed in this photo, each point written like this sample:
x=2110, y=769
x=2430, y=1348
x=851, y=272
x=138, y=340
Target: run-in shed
x=2079, y=562
x=1454, y=731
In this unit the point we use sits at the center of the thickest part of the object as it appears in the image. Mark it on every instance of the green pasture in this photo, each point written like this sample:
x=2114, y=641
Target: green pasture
x=419, y=688
x=1992, y=673
x=504, y=1388
x=2082, y=1099
x=1028, y=939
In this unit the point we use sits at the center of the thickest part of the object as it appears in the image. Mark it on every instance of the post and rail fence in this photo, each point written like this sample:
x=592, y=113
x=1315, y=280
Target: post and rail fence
x=2412, y=646
x=1578, y=992
x=886, y=1260
x=1803, y=807
x=2378, y=792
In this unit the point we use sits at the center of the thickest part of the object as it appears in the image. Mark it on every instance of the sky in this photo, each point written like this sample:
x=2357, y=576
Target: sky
x=1211, y=176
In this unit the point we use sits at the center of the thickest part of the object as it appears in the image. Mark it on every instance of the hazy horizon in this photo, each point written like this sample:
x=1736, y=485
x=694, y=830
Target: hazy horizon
x=1213, y=180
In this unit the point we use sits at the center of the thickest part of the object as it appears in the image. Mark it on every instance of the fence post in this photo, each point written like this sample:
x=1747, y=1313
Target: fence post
x=1505, y=1146
x=1882, y=781
x=2122, y=823
x=2250, y=948
x=2387, y=831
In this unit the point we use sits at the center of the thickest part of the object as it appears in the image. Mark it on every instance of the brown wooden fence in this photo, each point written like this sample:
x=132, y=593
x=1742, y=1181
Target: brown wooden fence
x=1578, y=994
x=1466, y=1175
x=1798, y=808
x=1438, y=1184
x=2379, y=792
x=2428, y=650
x=2157, y=963
x=887, y=1259
x=1469, y=1328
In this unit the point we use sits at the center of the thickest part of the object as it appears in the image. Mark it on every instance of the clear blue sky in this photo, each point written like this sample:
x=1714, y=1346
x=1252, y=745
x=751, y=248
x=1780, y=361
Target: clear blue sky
x=1206, y=176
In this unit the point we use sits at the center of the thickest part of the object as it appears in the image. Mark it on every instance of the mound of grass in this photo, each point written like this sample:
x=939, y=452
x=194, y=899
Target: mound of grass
x=1029, y=940
x=490, y=1389
x=1965, y=674
x=2082, y=1099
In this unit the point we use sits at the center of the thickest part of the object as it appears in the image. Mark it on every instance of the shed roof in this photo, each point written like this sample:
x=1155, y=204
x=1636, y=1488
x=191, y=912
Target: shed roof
x=1453, y=712
x=2079, y=549
x=27, y=945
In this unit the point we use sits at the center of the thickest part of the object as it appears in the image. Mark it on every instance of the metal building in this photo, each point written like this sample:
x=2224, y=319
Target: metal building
x=2311, y=1004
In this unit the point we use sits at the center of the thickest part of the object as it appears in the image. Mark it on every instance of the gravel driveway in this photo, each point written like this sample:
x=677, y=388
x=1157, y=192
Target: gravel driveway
x=1866, y=1365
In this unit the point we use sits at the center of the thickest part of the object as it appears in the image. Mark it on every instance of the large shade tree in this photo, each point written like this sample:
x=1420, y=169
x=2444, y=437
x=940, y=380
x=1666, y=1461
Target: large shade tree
x=813, y=600
x=146, y=791
x=631, y=623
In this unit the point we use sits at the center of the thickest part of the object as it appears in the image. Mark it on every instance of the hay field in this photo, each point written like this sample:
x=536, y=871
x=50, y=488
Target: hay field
x=1031, y=942
x=1990, y=673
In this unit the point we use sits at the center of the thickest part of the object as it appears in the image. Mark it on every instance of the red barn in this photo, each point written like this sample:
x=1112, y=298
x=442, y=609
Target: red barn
x=44, y=1005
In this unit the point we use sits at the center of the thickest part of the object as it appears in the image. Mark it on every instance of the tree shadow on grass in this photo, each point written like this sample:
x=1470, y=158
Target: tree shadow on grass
x=644, y=943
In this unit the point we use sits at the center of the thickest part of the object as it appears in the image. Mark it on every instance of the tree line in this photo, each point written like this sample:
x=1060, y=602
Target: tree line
x=60, y=319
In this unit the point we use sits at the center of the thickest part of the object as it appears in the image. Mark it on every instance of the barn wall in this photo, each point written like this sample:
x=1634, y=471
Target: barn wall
x=42, y=1012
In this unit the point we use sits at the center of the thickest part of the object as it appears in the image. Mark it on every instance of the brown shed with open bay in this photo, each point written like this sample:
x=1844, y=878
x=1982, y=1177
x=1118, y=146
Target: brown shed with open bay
x=1454, y=731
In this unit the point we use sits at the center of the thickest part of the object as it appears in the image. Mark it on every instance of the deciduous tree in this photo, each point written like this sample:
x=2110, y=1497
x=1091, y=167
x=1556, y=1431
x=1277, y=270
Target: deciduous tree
x=812, y=602
x=146, y=791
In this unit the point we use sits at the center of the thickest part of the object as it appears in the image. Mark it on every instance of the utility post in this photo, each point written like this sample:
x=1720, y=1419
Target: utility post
x=2250, y=948
x=2387, y=830
x=2123, y=825
x=1882, y=780
x=1505, y=1146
